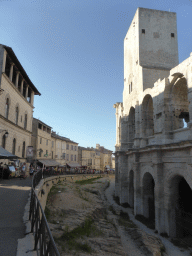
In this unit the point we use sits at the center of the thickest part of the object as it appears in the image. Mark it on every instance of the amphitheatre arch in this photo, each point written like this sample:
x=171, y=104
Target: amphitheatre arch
x=147, y=116
x=178, y=188
x=148, y=196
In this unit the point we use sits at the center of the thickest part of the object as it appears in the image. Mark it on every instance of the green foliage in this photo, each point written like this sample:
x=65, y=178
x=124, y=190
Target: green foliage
x=162, y=250
x=69, y=239
x=47, y=213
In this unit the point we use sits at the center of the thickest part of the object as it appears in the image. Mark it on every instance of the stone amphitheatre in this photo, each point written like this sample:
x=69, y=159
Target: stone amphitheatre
x=153, y=159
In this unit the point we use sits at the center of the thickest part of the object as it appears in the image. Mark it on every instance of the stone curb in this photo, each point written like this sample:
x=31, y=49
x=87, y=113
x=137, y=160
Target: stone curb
x=25, y=245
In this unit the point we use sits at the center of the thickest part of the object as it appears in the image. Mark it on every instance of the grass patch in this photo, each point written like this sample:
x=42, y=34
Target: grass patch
x=47, y=213
x=81, y=194
x=54, y=190
x=88, y=181
x=162, y=250
x=73, y=245
x=69, y=238
x=147, y=222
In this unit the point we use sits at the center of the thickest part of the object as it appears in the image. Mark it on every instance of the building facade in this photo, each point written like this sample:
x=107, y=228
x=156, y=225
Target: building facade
x=50, y=148
x=66, y=150
x=97, y=158
x=16, y=111
x=154, y=125
x=42, y=141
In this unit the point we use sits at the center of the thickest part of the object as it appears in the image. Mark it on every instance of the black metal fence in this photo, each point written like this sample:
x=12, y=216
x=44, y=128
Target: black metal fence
x=44, y=242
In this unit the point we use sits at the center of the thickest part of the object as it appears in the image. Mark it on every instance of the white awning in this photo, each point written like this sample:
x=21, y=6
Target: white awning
x=75, y=165
x=4, y=154
x=49, y=162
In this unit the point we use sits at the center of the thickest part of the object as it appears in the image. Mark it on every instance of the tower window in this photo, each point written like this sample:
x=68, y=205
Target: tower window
x=143, y=31
x=172, y=35
x=130, y=87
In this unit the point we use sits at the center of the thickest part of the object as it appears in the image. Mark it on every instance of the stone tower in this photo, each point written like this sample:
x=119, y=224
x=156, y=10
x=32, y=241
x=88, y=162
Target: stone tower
x=150, y=51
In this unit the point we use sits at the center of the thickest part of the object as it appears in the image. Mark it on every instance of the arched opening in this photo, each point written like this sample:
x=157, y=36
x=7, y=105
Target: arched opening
x=148, y=197
x=131, y=188
x=131, y=126
x=179, y=104
x=180, y=212
x=147, y=116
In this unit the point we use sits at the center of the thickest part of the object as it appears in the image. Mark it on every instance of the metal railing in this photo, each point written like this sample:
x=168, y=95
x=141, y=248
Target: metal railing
x=44, y=242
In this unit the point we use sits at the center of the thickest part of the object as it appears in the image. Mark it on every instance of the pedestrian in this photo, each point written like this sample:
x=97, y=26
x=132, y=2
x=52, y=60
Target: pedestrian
x=31, y=171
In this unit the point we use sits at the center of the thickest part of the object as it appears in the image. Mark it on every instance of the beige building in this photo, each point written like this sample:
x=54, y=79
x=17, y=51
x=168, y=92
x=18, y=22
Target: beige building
x=66, y=150
x=42, y=141
x=16, y=104
x=154, y=125
x=97, y=158
x=52, y=149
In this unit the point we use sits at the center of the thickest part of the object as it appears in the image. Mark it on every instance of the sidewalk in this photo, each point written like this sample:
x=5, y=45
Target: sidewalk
x=171, y=250
x=13, y=199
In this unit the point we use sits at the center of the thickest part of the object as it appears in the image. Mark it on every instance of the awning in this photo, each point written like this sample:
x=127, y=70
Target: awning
x=49, y=162
x=74, y=165
x=4, y=154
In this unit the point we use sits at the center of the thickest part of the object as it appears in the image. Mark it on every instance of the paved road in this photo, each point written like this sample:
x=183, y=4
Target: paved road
x=13, y=198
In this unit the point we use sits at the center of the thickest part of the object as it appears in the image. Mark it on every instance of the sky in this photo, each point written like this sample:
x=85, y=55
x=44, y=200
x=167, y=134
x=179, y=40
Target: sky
x=72, y=51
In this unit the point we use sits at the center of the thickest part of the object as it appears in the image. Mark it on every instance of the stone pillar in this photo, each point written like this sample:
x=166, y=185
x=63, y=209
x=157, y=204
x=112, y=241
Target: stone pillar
x=137, y=126
x=11, y=72
x=26, y=93
x=17, y=79
x=22, y=86
x=137, y=187
x=123, y=167
x=116, y=175
x=124, y=133
x=159, y=195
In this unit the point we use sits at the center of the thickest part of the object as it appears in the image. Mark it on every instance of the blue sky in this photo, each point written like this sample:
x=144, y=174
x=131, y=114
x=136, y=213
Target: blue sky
x=72, y=50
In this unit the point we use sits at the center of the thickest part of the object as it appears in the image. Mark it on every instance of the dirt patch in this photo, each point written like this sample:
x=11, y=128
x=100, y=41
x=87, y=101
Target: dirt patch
x=78, y=219
x=82, y=222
